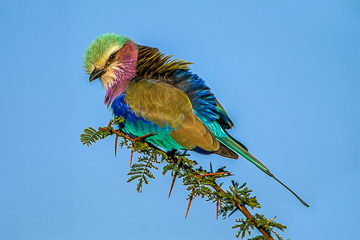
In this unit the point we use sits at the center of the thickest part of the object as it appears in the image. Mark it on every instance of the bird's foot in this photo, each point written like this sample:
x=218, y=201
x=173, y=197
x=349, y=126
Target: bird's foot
x=182, y=154
x=178, y=153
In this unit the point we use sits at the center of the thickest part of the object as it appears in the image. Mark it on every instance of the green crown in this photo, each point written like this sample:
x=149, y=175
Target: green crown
x=99, y=47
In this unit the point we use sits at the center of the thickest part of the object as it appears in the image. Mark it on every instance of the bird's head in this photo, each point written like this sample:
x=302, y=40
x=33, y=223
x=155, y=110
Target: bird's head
x=112, y=58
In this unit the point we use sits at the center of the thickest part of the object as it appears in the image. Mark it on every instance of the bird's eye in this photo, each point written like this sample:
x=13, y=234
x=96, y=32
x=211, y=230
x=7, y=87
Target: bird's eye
x=112, y=57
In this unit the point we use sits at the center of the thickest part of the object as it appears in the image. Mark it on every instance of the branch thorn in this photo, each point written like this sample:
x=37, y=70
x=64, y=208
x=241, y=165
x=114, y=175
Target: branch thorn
x=188, y=207
x=172, y=184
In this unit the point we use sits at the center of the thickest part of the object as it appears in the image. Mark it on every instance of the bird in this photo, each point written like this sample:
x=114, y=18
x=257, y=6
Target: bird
x=156, y=93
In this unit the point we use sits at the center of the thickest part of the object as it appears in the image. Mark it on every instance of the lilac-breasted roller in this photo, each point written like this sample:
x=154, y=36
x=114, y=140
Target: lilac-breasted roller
x=155, y=93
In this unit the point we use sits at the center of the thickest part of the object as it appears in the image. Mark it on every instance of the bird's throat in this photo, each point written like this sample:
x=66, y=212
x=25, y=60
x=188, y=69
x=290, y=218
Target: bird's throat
x=124, y=72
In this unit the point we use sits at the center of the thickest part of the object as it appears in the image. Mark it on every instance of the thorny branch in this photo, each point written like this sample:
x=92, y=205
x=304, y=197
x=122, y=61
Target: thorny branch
x=176, y=160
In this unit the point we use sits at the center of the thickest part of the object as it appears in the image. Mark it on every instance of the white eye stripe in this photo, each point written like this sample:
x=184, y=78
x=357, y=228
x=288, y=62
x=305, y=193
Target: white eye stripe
x=112, y=52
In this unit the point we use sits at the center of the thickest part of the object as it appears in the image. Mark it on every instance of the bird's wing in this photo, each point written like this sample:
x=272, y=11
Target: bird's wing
x=166, y=105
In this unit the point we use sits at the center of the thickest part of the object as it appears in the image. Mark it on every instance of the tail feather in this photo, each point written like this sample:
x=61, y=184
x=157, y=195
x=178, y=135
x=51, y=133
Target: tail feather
x=230, y=143
x=299, y=198
x=242, y=151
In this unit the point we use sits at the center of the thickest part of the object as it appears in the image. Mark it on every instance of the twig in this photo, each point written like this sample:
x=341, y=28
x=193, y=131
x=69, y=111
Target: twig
x=241, y=208
x=213, y=174
x=246, y=213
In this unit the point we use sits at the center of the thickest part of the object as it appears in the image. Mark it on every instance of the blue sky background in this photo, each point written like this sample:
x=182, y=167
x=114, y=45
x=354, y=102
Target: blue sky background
x=286, y=71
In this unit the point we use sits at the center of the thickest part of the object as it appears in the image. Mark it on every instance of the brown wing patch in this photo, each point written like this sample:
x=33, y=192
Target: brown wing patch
x=193, y=133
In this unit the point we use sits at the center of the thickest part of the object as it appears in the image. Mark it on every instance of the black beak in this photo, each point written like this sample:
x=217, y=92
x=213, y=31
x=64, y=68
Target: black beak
x=96, y=73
